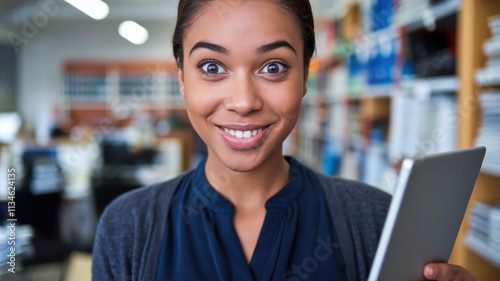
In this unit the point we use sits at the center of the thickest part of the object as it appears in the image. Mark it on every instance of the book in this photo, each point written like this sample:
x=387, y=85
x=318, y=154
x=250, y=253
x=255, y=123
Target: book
x=484, y=229
x=488, y=133
x=490, y=74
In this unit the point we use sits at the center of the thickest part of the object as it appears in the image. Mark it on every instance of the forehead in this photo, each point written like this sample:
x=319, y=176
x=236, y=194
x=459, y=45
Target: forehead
x=249, y=23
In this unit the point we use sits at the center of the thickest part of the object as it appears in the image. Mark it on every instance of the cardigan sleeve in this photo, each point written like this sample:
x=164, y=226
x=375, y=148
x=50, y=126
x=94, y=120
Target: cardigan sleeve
x=358, y=212
x=130, y=234
x=111, y=258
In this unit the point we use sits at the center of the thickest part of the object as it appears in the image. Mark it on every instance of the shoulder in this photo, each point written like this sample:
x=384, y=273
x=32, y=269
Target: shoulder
x=129, y=232
x=353, y=193
x=355, y=204
x=141, y=202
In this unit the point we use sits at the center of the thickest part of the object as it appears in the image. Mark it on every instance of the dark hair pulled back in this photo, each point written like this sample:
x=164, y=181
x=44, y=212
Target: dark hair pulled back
x=300, y=10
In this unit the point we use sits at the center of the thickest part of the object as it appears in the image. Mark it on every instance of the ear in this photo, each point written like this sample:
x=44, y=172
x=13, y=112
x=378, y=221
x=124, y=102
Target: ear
x=306, y=75
x=180, y=75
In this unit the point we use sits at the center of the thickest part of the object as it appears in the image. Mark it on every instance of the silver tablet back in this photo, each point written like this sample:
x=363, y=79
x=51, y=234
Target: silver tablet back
x=425, y=214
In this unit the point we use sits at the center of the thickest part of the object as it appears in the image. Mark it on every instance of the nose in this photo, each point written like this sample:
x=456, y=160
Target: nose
x=243, y=98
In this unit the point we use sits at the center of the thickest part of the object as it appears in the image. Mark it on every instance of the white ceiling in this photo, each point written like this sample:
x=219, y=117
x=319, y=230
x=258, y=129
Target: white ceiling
x=15, y=12
x=12, y=12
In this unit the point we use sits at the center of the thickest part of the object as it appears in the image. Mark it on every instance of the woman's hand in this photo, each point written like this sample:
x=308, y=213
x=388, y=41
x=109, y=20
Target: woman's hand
x=447, y=272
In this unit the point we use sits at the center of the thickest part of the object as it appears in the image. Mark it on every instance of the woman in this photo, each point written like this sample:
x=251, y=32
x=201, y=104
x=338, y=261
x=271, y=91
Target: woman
x=247, y=212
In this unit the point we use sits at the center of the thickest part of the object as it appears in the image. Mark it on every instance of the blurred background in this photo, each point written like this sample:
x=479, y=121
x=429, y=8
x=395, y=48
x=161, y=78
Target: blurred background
x=90, y=108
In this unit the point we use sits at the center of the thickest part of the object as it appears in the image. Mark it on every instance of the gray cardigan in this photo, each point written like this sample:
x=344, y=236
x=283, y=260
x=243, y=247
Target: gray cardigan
x=130, y=234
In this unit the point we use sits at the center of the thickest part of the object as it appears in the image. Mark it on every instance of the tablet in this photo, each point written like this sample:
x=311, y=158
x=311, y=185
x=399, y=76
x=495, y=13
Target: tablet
x=425, y=213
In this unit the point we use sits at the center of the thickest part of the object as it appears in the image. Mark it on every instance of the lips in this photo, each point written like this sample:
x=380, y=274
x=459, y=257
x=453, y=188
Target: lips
x=243, y=137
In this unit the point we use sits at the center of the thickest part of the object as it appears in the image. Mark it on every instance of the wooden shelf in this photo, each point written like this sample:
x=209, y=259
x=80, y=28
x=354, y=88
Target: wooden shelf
x=472, y=32
x=490, y=170
x=85, y=67
x=382, y=91
x=379, y=36
x=90, y=105
x=437, y=84
x=482, y=249
x=437, y=12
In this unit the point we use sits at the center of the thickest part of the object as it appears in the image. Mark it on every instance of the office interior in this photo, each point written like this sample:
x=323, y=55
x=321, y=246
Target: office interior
x=89, y=111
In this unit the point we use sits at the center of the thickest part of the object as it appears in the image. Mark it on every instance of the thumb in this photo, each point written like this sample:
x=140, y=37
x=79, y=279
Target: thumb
x=447, y=272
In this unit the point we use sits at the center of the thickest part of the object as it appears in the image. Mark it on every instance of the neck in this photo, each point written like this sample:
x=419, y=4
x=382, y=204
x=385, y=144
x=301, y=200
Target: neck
x=248, y=189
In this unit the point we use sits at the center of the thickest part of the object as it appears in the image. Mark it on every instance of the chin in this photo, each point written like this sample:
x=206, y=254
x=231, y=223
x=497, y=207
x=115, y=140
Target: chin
x=241, y=165
x=241, y=161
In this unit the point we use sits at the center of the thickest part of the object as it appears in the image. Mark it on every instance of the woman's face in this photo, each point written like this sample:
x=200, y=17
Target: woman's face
x=243, y=80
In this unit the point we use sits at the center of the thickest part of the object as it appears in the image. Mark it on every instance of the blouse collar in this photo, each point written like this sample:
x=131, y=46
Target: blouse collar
x=206, y=195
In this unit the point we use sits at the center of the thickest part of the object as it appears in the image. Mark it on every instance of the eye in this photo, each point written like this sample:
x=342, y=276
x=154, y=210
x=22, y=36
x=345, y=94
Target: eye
x=212, y=68
x=274, y=68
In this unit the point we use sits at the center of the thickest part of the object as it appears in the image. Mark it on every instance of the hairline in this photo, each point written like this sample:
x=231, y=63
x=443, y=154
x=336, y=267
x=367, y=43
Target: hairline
x=189, y=22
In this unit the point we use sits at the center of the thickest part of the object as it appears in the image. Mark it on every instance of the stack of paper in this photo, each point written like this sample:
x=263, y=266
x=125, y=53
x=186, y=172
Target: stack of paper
x=409, y=11
x=495, y=230
x=85, y=88
x=479, y=221
x=490, y=74
x=23, y=245
x=484, y=230
x=422, y=126
x=488, y=134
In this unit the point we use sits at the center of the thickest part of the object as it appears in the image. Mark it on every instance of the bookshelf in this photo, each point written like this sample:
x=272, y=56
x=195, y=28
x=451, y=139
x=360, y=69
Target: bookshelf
x=91, y=90
x=473, y=32
x=359, y=75
x=338, y=120
x=136, y=102
x=482, y=250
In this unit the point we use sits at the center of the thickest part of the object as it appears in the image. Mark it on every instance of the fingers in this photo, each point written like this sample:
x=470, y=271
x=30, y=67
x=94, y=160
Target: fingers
x=447, y=272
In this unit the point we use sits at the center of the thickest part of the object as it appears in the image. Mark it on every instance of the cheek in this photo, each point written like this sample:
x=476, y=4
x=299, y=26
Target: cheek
x=287, y=104
x=201, y=100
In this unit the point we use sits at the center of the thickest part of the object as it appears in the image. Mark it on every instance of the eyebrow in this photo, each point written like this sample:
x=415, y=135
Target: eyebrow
x=262, y=49
x=210, y=46
x=275, y=45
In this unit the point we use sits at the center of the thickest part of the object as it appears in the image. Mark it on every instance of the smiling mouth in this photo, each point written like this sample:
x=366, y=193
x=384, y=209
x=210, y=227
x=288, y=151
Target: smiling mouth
x=243, y=134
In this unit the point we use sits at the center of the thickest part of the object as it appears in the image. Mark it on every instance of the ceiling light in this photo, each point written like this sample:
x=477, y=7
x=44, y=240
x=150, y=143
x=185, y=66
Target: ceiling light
x=133, y=32
x=95, y=9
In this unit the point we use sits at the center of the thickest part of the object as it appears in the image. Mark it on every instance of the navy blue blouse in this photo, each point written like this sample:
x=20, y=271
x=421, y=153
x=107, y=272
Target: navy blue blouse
x=297, y=240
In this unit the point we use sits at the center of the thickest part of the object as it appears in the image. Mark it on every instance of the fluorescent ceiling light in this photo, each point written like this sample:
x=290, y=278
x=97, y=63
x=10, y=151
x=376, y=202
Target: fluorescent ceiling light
x=133, y=32
x=95, y=9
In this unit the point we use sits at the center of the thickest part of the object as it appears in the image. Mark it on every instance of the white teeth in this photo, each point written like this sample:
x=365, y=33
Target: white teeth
x=242, y=134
